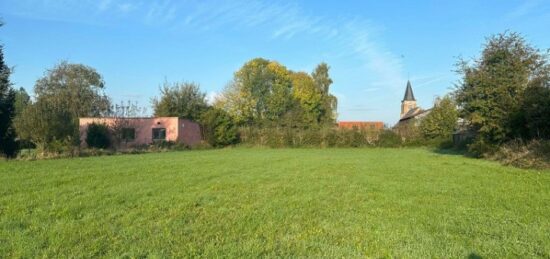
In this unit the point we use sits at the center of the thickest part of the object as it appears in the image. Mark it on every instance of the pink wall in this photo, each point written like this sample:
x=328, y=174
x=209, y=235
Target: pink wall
x=177, y=130
x=189, y=132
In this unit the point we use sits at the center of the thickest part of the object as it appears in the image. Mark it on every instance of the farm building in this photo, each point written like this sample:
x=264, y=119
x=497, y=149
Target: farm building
x=131, y=132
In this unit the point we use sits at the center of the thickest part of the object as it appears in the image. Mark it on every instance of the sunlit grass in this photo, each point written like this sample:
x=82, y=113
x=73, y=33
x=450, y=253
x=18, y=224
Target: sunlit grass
x=282, y=202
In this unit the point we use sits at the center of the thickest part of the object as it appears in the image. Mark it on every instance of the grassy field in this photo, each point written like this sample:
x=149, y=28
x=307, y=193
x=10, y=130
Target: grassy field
x=283, y=202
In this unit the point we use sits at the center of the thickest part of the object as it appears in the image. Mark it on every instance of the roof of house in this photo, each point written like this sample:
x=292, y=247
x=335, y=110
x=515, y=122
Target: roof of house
x=409, y=96
x=412, y=113
x=361, y=124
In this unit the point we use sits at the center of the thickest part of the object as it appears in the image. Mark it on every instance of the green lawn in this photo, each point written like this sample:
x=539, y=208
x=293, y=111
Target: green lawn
x=274, y=202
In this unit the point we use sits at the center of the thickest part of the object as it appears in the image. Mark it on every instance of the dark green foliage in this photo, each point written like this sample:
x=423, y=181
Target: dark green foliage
x=22, y=100
x=389, y=138
x=98, y=136
x=280, y=137
x=329, y=102
x=66, y=93
x=184, y=100
x=493, y=90
x=45, y=123
x=8, y=145
x=219, y=129
x=536, y=112
x=441, y=121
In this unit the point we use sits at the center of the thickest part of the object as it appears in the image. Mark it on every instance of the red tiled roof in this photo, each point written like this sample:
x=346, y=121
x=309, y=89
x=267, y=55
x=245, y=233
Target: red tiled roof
x=361, y=124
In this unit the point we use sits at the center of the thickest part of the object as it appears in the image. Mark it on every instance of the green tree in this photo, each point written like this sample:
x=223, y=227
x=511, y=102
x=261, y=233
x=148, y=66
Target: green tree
x=183, y=100
x=219, y=128
x=329, y=102
x=309, y=98
x=8, y=146
x=491, y=93
x=441, y=121
x=536, y=111
x=22, y=100
x=260, y=93
x=321, y=77
x=66, y=93
x=45, y=124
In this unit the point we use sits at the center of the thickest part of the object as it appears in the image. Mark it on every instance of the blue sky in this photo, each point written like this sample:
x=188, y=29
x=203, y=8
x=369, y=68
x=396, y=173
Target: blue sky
x=373, y=47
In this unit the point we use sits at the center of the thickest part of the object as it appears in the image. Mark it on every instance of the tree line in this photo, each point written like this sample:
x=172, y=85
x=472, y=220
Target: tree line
x=263, y=93
x=503, y=95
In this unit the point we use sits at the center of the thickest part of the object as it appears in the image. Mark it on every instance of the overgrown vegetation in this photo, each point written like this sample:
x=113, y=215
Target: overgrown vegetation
x=504, y=94
x=66, y=93
x=219, y=129
x=98, y=136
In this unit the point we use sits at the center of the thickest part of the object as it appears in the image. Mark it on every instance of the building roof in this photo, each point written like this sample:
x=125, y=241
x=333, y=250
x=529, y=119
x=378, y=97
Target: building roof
x=413, y=113
x=361, y=124
x=409, y=96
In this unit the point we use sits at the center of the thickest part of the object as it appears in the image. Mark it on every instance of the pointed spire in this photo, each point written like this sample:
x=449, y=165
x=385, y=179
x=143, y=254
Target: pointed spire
x=409, y=96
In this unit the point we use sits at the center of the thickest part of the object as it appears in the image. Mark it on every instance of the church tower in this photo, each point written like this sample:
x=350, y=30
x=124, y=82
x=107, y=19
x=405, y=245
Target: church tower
x=408, y=102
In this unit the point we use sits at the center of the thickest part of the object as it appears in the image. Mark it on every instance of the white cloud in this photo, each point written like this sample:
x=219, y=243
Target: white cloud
x=212, y=97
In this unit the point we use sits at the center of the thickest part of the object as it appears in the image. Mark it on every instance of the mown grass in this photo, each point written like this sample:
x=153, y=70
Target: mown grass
x=274, y=202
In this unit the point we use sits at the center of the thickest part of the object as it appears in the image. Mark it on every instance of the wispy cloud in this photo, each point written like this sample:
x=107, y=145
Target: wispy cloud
x=423, y=81
x=525, y=8
x=161, y=12
x=357, y=40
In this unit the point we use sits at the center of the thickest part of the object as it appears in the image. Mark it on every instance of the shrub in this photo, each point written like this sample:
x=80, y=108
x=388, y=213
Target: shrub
x=312, y=137
x=219, y=128
x=98, y=136
x=389, y=138
x=532, y=154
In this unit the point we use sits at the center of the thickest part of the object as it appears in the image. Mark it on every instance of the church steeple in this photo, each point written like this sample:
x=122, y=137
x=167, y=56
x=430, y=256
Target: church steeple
x=409, y=96
x=408, y=103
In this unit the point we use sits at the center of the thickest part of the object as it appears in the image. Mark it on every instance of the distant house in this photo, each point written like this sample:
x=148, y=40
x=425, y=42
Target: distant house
x=371, y=125
x=131, y=132
x=409, y=110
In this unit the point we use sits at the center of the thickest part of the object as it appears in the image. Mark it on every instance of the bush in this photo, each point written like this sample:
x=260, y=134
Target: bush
x=532, y=154
x=481, y=148
x=312, y=137
x=219, y=128
x=98, y=136
x=389, y=138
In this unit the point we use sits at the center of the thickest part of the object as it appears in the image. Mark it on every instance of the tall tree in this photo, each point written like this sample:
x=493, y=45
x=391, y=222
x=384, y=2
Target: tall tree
x=329, y=102
x=308, y=96
x=491, y=93
x=180, y=100
x=22, y=100
x=261, y=92
x=66, y=93
x=322, y=78
x=8, y=146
